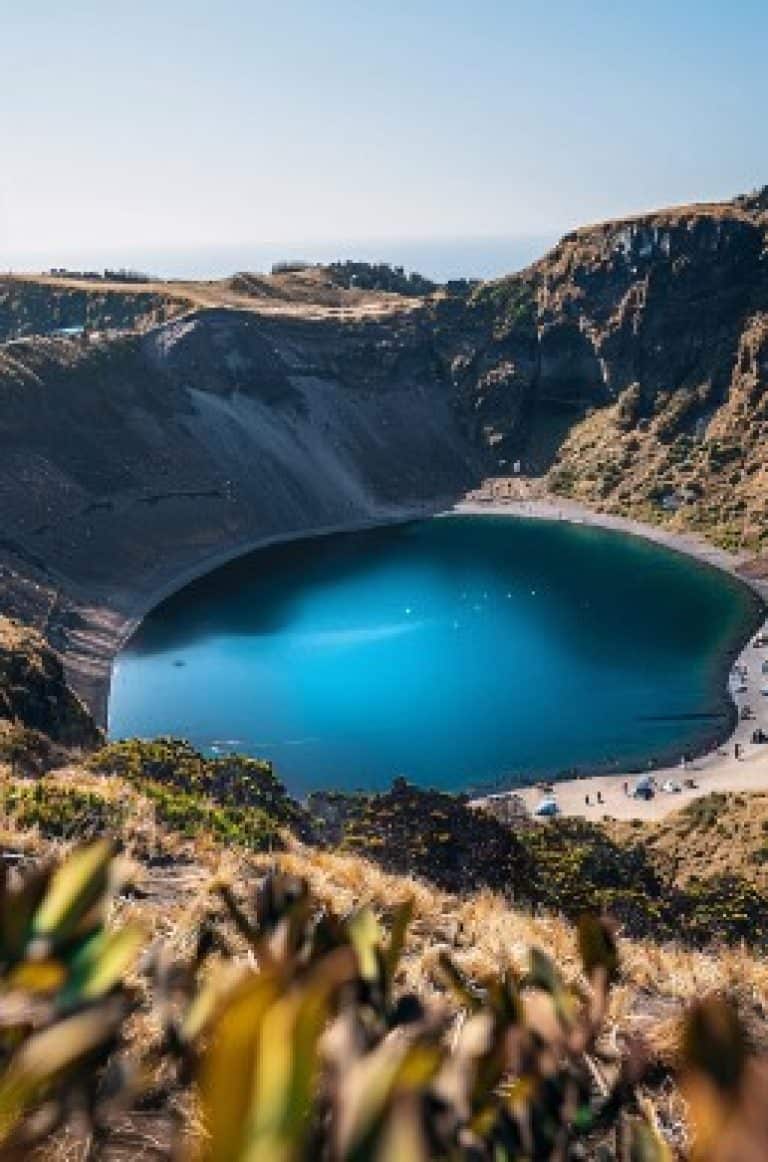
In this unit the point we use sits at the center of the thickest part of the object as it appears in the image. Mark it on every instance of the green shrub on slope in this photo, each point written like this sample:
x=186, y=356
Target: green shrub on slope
x=235, y=798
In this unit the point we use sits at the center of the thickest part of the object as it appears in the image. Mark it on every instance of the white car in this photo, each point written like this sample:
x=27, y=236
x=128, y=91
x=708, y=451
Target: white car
x=671, y=786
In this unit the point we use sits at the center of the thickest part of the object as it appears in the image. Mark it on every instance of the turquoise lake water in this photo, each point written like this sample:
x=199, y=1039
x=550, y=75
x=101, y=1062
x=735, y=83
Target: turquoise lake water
x=464, y=653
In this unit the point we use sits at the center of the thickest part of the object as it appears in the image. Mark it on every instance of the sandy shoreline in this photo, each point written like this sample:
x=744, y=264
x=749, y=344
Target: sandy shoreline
x=717, y=770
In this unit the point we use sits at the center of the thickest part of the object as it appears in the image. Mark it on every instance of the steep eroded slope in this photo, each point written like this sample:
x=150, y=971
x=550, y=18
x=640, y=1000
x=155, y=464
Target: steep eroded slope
x=128, y=464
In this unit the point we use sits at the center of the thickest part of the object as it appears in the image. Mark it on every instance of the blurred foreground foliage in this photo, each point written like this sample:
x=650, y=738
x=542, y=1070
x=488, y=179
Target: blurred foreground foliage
x=284, y=1033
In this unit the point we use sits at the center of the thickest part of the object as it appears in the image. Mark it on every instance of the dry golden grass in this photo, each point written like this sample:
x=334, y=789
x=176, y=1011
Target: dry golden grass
x=667, y=215
x=482, y=930
x=485, y=931
x=716, y=835
x=306, y=292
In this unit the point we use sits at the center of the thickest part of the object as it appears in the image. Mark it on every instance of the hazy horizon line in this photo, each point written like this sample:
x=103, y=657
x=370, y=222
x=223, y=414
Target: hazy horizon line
x=438, y=256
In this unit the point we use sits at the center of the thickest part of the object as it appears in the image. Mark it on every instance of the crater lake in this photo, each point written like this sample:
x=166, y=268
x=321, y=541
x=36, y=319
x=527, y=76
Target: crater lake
x=466, y=653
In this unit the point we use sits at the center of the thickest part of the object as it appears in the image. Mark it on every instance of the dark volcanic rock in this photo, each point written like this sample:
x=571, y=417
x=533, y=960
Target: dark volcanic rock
x=33, y=691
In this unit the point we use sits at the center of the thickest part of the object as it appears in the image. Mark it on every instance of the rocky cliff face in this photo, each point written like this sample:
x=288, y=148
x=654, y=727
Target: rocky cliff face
x=28, y=308
x=630, y=363
x=628, y=368
x=33, y=690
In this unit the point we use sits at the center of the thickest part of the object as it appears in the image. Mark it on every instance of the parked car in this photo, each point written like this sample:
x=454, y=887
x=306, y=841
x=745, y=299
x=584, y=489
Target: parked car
x=671, y=786
x=547, y=808
x=643, y=789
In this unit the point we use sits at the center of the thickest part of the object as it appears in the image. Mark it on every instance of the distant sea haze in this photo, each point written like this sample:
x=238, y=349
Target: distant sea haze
x=436, y=258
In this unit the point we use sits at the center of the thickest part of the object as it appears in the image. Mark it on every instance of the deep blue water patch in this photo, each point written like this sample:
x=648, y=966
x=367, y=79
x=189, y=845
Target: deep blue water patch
x=464, y=653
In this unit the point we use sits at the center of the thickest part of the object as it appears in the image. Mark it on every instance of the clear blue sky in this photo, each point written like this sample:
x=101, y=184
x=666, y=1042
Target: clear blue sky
x=190, y=123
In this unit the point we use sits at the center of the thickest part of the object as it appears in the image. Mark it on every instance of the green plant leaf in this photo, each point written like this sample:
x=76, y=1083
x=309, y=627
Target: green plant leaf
x=102, y=962
x=47, y=1054
x=18, y=911
x=715, y=1043
x=401, y=917
x=646, y=1143
x=76, y=886
x=228, y=1070
x=464, y=989
x=365, y=935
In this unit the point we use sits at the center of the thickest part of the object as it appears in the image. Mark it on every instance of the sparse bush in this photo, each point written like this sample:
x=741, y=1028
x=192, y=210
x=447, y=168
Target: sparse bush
x=628, y=407
x=236, y=796
x=705, y=811
x=64, y=813
x=379, y=276
x=27, y=751
x=440, y=838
